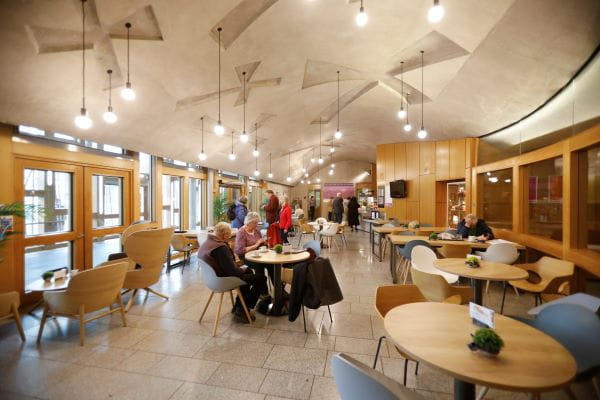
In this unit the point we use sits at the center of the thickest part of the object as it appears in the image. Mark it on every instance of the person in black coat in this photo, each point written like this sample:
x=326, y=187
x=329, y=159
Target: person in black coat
x=353, y=207
x=471, y=226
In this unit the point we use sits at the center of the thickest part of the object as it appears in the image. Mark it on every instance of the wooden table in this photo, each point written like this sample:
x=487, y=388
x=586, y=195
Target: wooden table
x=437, y=335
x=382, y=231
x=41, y=285
x=487, y=271
x=371, y=222
x=278, y=261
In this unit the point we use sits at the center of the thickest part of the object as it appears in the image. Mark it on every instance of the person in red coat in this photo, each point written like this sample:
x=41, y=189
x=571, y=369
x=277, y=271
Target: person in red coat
x=272, y=207
x=285, y=219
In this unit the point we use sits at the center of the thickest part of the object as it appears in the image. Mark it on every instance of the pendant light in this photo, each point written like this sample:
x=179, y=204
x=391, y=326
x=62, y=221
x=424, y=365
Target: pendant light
x=289, y=178
x=219, y=129
x=109, y=116
x=338, y=133
x=232, y=154
x=436, y=12
x=309, y=182
x=82, y=120
x=422, y=133
x=312, y=155
x=270, y=171
x=402, y=112
x=320, y=161
x=255, y=152
x=202, y=155
x=331, y=166
x=407, y=125
x=256, y=171
x=302, y=181
x=361, y=17
x=127, y=92
x=306, y=174
x=244, y=135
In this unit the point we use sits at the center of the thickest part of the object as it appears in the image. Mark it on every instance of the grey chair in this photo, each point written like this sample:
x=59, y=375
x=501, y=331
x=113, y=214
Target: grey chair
x=406, y=254
x=355, y=381
x=314, y=245
x=401, y=233
x=221, y=285
x=426, y=225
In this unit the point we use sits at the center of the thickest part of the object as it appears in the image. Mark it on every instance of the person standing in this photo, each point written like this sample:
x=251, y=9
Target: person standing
x=271, y=208
x=353, y=207
x=312, y=205
x=240, y=211
x=338, y=208
x=285, y=219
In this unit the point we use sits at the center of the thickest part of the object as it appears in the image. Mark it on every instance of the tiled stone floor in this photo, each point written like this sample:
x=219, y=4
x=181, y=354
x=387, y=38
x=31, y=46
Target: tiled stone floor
x=164, y=353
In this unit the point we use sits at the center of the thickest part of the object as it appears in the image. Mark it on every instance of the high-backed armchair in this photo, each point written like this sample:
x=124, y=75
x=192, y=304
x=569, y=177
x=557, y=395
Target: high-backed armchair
x=9, y=309
x=148, y=249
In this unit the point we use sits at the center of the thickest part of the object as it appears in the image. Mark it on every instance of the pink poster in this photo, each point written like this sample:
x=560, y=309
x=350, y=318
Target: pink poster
x=332, y=189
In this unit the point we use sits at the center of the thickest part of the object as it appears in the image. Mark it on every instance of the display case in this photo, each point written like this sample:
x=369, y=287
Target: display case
x=456, y=203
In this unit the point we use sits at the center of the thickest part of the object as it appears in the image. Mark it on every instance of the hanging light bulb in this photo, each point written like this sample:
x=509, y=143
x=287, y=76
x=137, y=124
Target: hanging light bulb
x=332, y=165
x=361, y=17
x=435, y=13
x=83, y=121
x=244, y=137
x=270, y=175
x=232, y=154
x=338, y=133
x=422, y=134
x=289, y=178
x=330, y=172
x=219, y=129
x=109, y=116
x=320, y=161
x=302, y=181
x=303, y=170
x=127, y=92
x=402, y=112
x=331, y=149
x=318, y=180
x=255, y=152
x=256, y=172
x=202, y=155
x=407, y=125
x=306, y=174
x=312, y=155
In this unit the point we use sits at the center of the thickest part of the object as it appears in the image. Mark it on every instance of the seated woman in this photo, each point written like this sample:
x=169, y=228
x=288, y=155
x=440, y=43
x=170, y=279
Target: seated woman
x=471, y=226
x=216, y=252
x=248, y=238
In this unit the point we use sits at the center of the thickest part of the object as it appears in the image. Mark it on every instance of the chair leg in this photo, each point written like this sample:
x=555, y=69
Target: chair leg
x=122, y=309
x=304, y=319
x=482, y=393
x=244, y=306
x=43, y=322
x=487, y=287
x=516, y=291
x=81, y=324
x=405, y=371
x=377, y=352
x=406, y=271
x=535, y=396
x=330, y=317
x=150, y=290
x=216, y=325
x=503, y=298
x=130, y=302
x=570, y=393
x=231, y=297
x=17, y=317
x=206, y=306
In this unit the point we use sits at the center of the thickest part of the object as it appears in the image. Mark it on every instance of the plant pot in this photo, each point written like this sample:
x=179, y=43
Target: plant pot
x=473, y=347
x=472, y=265
x=47, y=279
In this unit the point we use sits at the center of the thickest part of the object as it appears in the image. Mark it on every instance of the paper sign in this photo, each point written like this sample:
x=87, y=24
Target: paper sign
x=60, y=274
x=482, y=315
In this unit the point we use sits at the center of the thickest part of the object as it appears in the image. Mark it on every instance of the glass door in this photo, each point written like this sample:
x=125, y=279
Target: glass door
x=195, y=213
x=171, y=201
x=456, y=203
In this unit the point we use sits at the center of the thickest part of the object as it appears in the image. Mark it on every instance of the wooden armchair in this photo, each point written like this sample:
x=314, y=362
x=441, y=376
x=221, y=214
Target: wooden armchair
x=180, y=245
x=88, y=291
x=435, y=288
x=9, y=309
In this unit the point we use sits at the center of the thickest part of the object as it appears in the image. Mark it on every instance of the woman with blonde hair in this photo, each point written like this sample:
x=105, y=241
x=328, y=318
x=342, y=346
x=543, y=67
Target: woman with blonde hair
x=285, y=219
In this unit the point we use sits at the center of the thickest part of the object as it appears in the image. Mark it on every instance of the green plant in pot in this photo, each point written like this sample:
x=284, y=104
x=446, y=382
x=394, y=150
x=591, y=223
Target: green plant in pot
x=278, y=248
x=220, y=207
x=486, y=342
x=47, y=275
x=433, y=236
x=472, y=262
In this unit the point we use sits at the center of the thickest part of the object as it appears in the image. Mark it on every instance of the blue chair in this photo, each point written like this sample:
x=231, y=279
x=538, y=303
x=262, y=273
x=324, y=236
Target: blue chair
x=314, y=245
x=355, y=381
x=406, y=254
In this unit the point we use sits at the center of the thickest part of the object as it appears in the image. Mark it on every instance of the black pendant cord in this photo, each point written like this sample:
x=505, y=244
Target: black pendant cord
x=422, y=95
x=231, y=142
x=244, y=75
x=338, y=98
x=109, y=89
x=401, y=84
x=128, y=25
x=256, y=138
x=83, y=53
x=219, y=29
x=202, y=124
x=407, y=123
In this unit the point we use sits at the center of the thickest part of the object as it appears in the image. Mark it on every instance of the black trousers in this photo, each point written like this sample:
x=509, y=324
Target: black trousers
x=284, y=236
x=337, y=217
x=256, y=285
x=311, y=213
x=259, y=270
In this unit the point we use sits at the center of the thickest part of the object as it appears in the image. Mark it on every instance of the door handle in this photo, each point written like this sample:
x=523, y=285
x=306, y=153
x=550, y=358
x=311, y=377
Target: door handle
x=80, y=236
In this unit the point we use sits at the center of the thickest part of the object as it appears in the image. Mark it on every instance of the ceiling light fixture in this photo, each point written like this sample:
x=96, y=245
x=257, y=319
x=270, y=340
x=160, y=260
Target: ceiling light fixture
x=302, y=181
x=402, y=112
x=338, y=133
x=289, y=178
x=232, y=154
x=320, y=161
x=270, y=173
x=330, y=172
x=318, y=179
x=127, y=92
x=202, y=155
x=308, y=182
x=256, y=171
x=422, y=133
x=244, y=135
x=109, y=116
x=312, y=158
x=436, y=12
x=361, y=17
x=255, y=152
x=219, y=129
x=82, y=120
x=407, y=125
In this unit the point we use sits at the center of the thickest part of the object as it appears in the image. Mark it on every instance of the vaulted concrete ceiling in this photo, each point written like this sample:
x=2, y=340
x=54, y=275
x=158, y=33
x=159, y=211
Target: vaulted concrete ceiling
x=488, y=63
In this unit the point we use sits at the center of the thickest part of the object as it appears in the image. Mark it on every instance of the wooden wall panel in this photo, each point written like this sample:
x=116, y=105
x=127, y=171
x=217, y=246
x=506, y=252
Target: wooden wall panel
x=400, y=209
x=457, y=159
x=441, y=189
x=427, y=158
x=427, y=199
x=388, y=154
x=442, y=160
x=400, y=161
x=380, y=163
x=412, y=211
x=412, y=171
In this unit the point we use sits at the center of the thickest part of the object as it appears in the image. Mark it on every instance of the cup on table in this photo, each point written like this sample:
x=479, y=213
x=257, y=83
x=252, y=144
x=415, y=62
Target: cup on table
x=262, y=249
x=472, y=238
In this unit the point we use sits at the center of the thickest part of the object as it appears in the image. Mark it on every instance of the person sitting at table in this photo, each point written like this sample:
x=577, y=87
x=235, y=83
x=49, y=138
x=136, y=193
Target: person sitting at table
x=240, y=210
x=215, y=252
x=471, y=226
x=285, y=219
x=247, y=239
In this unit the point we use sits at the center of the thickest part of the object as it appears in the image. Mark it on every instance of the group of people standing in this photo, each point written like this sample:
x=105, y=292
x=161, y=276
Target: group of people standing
x=352, y=206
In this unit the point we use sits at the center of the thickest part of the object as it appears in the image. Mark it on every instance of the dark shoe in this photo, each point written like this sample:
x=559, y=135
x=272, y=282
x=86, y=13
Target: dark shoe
x=263, y=304
x=240, y=316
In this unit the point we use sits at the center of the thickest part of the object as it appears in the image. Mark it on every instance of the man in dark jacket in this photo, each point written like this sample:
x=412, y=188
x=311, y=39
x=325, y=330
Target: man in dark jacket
x=272, y=207
x=471, y=226
x=338, y=208
x=241, y=211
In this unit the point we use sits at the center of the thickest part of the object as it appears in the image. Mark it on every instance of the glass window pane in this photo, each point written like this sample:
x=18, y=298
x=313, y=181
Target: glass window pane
x=107, y=201
x=543, y=191
x=456, y=203
x=195, y=203
x=171, y=201
x=103, y=246
x=42, y=258
x=591, y=199
x=52, y=191
x=145, y=187
x=496, y=198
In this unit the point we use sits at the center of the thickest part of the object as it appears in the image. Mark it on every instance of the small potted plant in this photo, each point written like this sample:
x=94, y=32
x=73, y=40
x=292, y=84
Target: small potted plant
x=47, y=276
x=278, y=248
x=433, y=236
x=472, y=262
x=486, y=342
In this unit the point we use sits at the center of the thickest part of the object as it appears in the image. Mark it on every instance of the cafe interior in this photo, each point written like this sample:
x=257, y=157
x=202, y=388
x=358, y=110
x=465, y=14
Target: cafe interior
x=300, y=199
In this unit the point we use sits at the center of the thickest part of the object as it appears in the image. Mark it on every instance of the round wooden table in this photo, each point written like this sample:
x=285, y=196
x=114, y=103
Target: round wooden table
x=487, y=271
x=438, y=333
x=278, y=261
x=41, y=285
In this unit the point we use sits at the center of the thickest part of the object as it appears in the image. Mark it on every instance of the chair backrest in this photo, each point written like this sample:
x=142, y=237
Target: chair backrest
x=315, y=245
x=217, y=283
x=179, y=242
x=505, y=253
x=97, y=288
x=356, y=381
x=149, y=248
x=407, y=250
x=433, y=286
x=423, y=257
x=407, y=233
x=455, y=251
x=390, y=296
x=136, y=227
x=554, y=272
x=578, y=329
x=6, y=301
x=413, y=223
x=307, y=228
x=331, y=230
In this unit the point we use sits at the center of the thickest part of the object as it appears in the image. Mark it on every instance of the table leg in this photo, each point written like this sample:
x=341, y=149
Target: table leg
x=39, y=303
x=463, y=390
x=380, y=248
x=393, y=269
x=477, y=286
x=371, y=238
x=277, y=307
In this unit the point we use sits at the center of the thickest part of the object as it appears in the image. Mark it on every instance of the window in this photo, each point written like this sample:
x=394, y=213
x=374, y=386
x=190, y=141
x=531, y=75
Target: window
x=146, y=189
x=589, y=199
x=50, y=191
x=107, y=201
x=543, y=194
x=171, y=201
x=496, y=198
x=196, y=199
x=30, y=130
x=42, y=258
x=103, y=246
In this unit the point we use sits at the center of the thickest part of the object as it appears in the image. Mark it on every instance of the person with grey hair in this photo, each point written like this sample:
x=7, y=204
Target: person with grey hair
x=239, y=210
x=338, y=208
x=248, y=238
x=215, y=251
